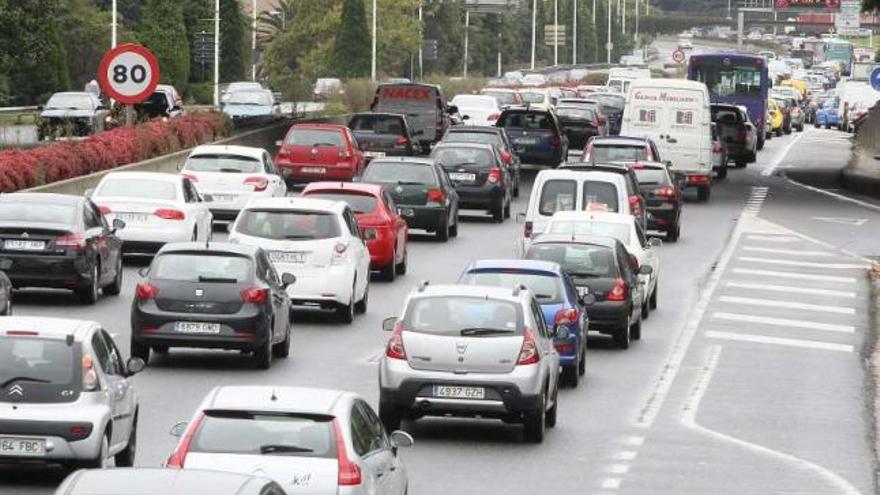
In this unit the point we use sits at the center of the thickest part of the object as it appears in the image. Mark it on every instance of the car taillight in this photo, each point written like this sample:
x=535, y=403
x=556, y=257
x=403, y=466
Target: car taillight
x=528, y=354
x=178, y=457
x=340, y=251
x=255, y=295
x=104, y=209
x=635, y=205
x=588, y=151
x=259, y=183
x=555, y=140
x=71, y=240
x=506, y=157
x=618, y=292
x=144, y=291
x=493, y=117
x=345, y=154
x=649, y=155
x=89, y=375
x=169, y=214
x=698, y=179
x=567, y=316
x=402, y=141
x=494, y=175
x=191, y=177
x=282, y=153
x=349, y=473
x=527, y=230
x=436, y=196
x=394, y=349
x=666, y=192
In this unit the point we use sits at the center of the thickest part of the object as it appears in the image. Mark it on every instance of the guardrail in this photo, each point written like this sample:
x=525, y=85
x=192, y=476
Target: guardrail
x=18, y=110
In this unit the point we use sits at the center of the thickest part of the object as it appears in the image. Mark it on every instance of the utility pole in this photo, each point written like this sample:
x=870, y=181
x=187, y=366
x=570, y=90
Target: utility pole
x=254, y=41
x=534, y=23
x=594, y=14
x=113, y=24
x=555, y=32
x=499, y=53
x=373, y=63
x=623, y=16
x=637, y=22
x=608, y=44
x=421, y=44
x=574, y=32
x=467, y=28
x=216, y=53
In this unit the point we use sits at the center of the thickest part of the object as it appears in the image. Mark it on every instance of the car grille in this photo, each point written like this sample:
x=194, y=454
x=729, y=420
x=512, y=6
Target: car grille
x=199, y=307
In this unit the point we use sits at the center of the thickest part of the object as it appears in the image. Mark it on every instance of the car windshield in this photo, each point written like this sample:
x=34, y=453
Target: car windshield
x=576, y=259
x=547, y=288
x=261, y=98
x=360, y=203
x=33, y=212
x=473, y=101
x=652, y=177
x=618, y=153
x=287, y=224
x=473, y=137
x=138, y=188
x=619, y=231
x=223, y=163
x=379, y=124
x=396, y=172
x=258, y=433
x=315, y=137
x=450, y=157
x=456, y=316
x=201, y=267
x=36, y=360
x=69, y=102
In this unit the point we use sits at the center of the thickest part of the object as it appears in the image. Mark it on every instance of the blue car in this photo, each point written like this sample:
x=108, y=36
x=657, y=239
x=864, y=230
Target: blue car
x=827, y=114
x=557, y=296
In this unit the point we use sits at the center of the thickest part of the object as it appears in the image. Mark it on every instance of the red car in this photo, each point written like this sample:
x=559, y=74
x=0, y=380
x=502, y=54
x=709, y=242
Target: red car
x=384, y=231
x=316, y=152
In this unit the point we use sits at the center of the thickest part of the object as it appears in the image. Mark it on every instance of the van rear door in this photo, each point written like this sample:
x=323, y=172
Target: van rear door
x=687, y=132
x=419, y=103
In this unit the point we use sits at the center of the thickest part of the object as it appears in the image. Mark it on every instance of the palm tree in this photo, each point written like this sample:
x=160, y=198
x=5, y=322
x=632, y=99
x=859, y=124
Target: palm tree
x=271, y=23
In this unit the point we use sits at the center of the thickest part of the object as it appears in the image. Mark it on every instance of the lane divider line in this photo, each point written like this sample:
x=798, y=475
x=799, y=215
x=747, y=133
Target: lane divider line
x=774, y=303
x=790, y=252
x=764, y=339
x=794, y=275
x=767, y=172
x=803, y=264
x=784, y=322
x=792, y=289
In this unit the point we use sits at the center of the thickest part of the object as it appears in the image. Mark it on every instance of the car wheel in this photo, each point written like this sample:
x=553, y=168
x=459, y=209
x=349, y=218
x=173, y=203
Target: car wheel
x=401, y=267
x=673, y=233
x=361, y=306
x=116, y=287
x=760, y=145
x=646, y=311
x=139, y=350
x=570, y=374
x=722, y=172
x=263, y=355
x=535, y=422
x=443, y=229
x=498, y=212
x=800, y=128
x=89, y=295
x=453, y=229
x=282, y=349
x=345, y=312
x=551, y=414
x=126, y=457
x=103, y=459
x=653, y=301
x=817, y=125
x=389, y=272
x=741, y=163
x=516, y=189
x=507, y=208
x=828, y=126
x=390, y=416
x=622, y=337
x=636, y=330
x=703, y=194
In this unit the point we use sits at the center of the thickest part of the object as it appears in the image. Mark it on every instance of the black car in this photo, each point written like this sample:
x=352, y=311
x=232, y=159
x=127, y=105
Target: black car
x=479, y=176
x=422, y=191
x=215, y=295
x=384, y=134
x=59, y=241
x=600, y=266
x=737, y=133
x=536, y=134
x=489, y=135
x=163, y=102
x=580, y=123
x=663, y=198
x=611, y=105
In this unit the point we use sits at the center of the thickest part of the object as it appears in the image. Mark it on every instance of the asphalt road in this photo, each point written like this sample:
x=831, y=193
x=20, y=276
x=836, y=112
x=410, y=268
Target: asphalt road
x=723, y=395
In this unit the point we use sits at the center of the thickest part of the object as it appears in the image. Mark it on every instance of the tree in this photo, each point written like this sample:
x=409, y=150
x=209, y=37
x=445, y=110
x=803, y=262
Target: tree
x=270, y=24
x=85, y=34
x=351, y=52
x=398, y=34
x=233, y=30
x=162, y=30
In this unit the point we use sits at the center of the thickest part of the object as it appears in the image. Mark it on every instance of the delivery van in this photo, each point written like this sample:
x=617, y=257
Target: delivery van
x=619, y=78
x=424, y=106
x=675, y=114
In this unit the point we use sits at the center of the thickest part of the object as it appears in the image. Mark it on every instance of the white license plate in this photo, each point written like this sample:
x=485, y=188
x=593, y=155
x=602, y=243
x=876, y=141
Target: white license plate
x=22, y=447
x=453, y=392
x=406, y=212
x=224, y=198
x=133, y=217
x=287, y=256
x=526, y=141
x=457, y=176
x=374, y=154
x=24, y=245
x=314, y=170
x=197, y=327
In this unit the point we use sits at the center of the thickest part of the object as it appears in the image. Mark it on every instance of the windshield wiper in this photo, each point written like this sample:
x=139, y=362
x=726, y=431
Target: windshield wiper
x=231, y=170
x=299, y=236
x=24, y=379
x=543, y=296
x=221, y=280
x=280, y=449
x=410, y=183
x=585, y=274
x=471, y=332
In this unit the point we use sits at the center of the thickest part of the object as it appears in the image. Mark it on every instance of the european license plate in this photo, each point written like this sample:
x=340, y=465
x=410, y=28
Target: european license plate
x=22, y=447
x=453, y=392
x=457, y=176
x=374, y=154
x=406, y=212
x=24, y=245
x=132, y=217
x=526, y=141
x=224, y=198
x=314, y=170
x=287, y=256
x=197, y=327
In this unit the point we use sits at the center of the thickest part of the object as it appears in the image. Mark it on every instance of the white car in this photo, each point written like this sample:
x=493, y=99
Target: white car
x=534, y=80
x=316, y=240
x=239, y=86
x=157, y=208
x=232, y=176
x=477, y=109
x=310, y=441
x=622, y=227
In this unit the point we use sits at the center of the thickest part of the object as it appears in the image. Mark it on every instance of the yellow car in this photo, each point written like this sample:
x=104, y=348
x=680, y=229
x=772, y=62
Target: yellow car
x=776, y=117
x=797, y=84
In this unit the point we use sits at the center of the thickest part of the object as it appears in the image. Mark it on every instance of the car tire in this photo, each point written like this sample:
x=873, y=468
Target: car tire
x=800, y=128
x=498, y=212
x=817, y=125
x=389, y=272
x=646, y=311
x=453, y=229
x=722, y=172
x=443, y=229
x=516, y=189
x=550, y=416
x=139, y=350
x=507, y=208
x=741, y=163
x=636, y=330
x=535, y=422
x=361, y=306
x=570, y=376
x=390, y=416
x=116, y=287
x=401, y=267
x=263, y=355
x=673, y=233
x=126, y=457
x=703, y=193
x=760, y=145
x=345, y=312
x=622, y=338
x=282, y=349
x=89, y=295
x=828, y=126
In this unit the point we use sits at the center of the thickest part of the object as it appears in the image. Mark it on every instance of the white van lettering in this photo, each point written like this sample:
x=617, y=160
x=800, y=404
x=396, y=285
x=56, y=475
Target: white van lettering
x=663, y=96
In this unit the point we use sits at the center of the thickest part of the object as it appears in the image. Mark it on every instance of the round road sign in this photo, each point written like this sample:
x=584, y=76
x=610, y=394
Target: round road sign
x=129, y=73
x=875, y=78
x=678, y=56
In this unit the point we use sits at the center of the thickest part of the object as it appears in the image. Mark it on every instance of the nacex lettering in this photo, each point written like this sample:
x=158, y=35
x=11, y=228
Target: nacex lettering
x=406, y=93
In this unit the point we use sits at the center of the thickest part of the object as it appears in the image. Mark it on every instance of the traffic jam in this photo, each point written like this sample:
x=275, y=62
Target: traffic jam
x=242, y=244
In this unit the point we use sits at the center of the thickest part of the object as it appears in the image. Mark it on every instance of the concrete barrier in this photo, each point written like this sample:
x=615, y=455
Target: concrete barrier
x=862, y=174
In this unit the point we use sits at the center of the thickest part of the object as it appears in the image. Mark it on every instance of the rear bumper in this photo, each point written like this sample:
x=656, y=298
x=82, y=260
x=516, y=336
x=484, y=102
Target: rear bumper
x=60, y=445
x=294, y=172
x=543, y=158
x=326, y=287
x=608, y=317
x=62, y=272
x=662, y=217
x=381, y=251
x=479, y=197
x=423, y=217
x=246, y=330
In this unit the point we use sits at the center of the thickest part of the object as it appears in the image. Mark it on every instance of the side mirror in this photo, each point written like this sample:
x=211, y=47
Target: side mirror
x=370, y=235
x=588, y=299
x=451, y=109
x=134, y=365
x=388, y=323
x=465, y=117
x=279, y=143
x=668, y=163
x=401, y=439
x=118, y=224
x=655, y=242
x=646, y=270
x=287, y=279
x=144, y=271
x=178, y=429
x=506, y=156
x=176, y=108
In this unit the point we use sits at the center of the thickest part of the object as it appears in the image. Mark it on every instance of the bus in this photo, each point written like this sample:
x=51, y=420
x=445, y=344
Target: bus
x=735, y=78
x=840, y=51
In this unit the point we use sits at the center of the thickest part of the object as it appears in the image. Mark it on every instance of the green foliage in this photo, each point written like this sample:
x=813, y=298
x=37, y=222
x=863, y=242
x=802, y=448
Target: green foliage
x=352, y=52
x=234, y=48
x=398, y=37
x=85, y=34
x=161, y=29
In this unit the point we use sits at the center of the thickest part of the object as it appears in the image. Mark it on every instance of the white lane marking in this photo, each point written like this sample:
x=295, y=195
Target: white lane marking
x=784, y=322
x=803, y=264
x=790, y=252
x=626, y=455
x=835, y=195
x=773, y=238
x=764, y=339
x=617, y=469
x=799, y=276
x=634, y=441
x=767, y=172
x=689, y=420
x=611, y=483
x=856, y=222
x=774, y=303
x=792, y=289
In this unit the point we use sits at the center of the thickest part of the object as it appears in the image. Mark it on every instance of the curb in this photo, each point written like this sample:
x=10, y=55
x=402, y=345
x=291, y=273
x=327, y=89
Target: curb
x=872, y=362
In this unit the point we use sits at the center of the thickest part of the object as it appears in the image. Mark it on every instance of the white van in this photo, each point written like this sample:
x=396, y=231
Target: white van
x=620, y=78
x=675, y=114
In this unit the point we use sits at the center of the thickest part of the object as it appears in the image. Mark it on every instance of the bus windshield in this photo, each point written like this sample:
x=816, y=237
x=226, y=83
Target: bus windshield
x=734, y=79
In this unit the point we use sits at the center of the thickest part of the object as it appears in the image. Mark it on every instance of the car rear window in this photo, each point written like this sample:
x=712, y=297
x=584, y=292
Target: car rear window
x=223, y=163
x=379, y=124
x=41, y=366
x=201, y=267
x=474, y=101
x=502, y=97
x=11, y=211
x=547, y=288
x=575, y=113
x=586, y=260
x=533, y=96
x=139, y=188
x=315, y=137
x=600, y=196
x=653, y=177
x=619, y=231
x=258, y=433
x=450, y=156
x=618, y=152
x=288, y=224
x=557, y=195
x=456, y=316
x=724, y=116
x=396, y=172
x=360, y=203
x=525, y=120
x=473, y=137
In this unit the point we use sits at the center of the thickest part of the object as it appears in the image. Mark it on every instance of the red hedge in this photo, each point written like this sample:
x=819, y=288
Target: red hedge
x=21, y=169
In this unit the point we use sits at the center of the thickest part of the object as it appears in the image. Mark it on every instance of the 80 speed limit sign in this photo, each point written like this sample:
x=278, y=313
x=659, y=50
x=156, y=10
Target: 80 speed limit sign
x=129, y=73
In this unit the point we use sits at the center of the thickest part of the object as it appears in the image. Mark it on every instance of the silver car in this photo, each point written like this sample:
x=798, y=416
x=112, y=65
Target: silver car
x=64, y=394
x=470, y=351
x=140, y=481
x=311, y=441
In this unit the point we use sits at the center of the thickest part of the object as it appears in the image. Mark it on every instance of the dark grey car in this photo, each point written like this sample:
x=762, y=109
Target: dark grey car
x=71, y=114
x=489, y=135
x=384, y=134
x=144, y=481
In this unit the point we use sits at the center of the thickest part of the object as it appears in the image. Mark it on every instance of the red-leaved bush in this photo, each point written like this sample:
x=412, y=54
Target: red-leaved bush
x=21, y=169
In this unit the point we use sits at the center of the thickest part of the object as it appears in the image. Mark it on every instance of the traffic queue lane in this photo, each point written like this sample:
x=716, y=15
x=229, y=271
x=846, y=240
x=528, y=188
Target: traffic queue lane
x=628, y=405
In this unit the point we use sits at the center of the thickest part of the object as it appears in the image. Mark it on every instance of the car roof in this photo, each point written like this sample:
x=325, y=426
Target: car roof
x=72, y=93
x=132, y=481
x=363, y=187
x=536, y=108
x=297, y=203
x=464, y=144
x=403, y=159
x=319, y=125
x=377, y=114
x=33, y=197
x=669, y=83
x=46, y=326
x=520, y=264
x=144, y=175
x=625, y=140
x=483, y=129
x=499, y=90
x=468, y=291
x=274, y=398
x=599, y=240
x=589, y=216
x=210, y=247
x=213, y=149
x=593, y=173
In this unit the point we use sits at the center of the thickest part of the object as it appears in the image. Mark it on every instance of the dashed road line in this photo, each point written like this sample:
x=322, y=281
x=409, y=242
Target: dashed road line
x=793, y=275
x=784, y=322
x=802, y=264
x=611, y=483
x=773, y=303
x=626, y=455
x=789, y=252
x=791, y=289
x=767, y=172
x=618, y=468
x=764, y=339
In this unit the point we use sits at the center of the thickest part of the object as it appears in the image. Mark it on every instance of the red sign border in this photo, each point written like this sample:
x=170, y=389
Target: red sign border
x=105, y=64
x=683, y=56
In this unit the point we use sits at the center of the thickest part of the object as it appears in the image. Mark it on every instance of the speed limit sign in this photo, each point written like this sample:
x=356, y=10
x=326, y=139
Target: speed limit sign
x=678, y=56
x=129, y=73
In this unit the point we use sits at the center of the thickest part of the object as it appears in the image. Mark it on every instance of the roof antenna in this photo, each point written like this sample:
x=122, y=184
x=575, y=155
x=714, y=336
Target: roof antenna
x=274, y=397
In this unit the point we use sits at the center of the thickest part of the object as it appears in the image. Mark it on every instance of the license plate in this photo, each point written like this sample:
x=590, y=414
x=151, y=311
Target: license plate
x=406, y=212
x=452, y=392
x=24, y=245
x=526, y=141
x=197, y=327
x=374, y=154
x=462, y=177
x=132, y=217
x=224, y=198
x=287, y=256
x=22, y=447
x=314, y=170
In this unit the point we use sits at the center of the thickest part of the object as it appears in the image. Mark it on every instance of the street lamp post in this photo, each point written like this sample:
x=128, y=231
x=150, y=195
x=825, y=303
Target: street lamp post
x=574, y=32
x=555, y=32
x=534, y=23
x=421, y=43
x=113, y=24
x=373, y=62
x=254, y=40
x=623, y=16
x=467, y=25
x=608, y=43
x=216, y=53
